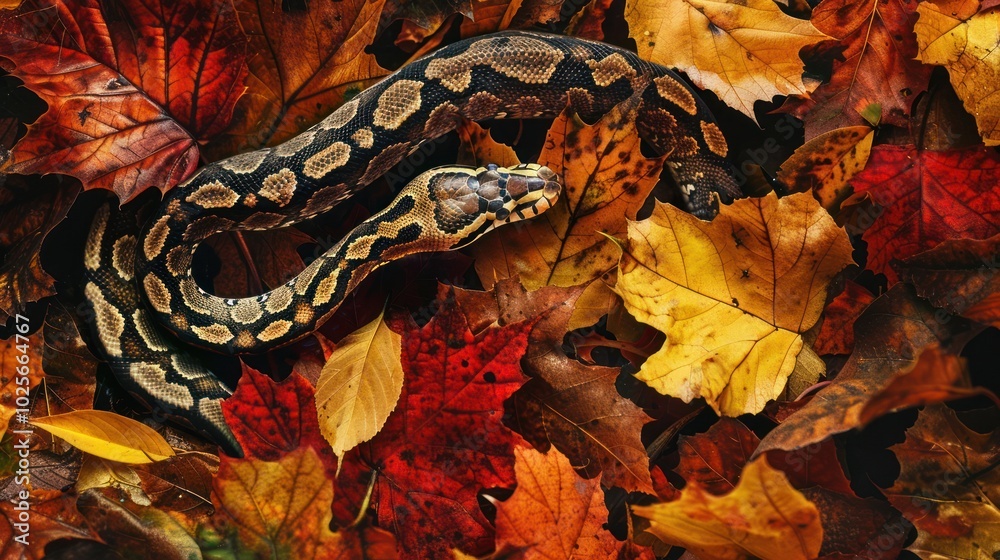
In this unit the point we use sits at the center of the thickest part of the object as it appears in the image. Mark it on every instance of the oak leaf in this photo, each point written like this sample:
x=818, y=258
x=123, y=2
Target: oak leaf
x=359, y=386
x=555, y=514
x=956, y=34
x=732, y=295
x=307, y=62
x=605, y=181
x=960, y=276
x=928, y=197
x=744, y=51
x=131, y=92
x=877, y=66
x=888, y=338
x=947, y=487
x=762, y=517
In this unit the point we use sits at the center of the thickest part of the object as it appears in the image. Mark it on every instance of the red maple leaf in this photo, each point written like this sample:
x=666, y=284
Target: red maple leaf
x=131, y=90
x=445, y=441
x=928, y=197
x=272, y=419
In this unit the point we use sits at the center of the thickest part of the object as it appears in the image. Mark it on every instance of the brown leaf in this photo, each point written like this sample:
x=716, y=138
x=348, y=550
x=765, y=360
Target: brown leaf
x=855, y=527
x=836, y=335
x=273, y=260
x=959, y=275
x=29, y=209
x=307, y=62
x=888, y=337
x=52, y=515
x=574, y=407
x=947, y=487
x=877, y=65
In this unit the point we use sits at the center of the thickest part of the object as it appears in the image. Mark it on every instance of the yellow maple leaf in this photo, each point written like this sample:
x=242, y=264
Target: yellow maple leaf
x=956, y=35
x=605, y=180
x=763, y=517
x=745, y=51
x=732, y=295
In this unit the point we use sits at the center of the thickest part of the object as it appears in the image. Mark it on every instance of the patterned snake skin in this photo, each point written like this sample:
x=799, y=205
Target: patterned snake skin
x=506, y=75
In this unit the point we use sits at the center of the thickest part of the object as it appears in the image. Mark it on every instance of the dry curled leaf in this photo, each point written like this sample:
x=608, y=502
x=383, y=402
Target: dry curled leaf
x=732, y=295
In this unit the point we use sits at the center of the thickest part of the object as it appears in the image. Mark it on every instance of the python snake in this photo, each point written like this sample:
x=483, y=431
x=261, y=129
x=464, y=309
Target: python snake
x=514, y=74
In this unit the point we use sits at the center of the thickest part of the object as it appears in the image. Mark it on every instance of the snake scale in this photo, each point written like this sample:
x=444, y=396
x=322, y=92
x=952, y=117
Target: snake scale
x=506, y=75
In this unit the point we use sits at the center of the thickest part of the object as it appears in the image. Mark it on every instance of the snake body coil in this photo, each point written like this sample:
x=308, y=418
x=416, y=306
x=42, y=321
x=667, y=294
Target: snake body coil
x=506, y=75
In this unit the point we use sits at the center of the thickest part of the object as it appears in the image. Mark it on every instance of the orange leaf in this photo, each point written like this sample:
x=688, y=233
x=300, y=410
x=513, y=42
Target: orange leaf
x=306, y=63
x=555, y=514
x=111, y=123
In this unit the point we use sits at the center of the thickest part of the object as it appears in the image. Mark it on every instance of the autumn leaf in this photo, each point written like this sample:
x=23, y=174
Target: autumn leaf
x=29, y=209
x=875, y=65
x=107, y=435
x=445, y=440
x=130, y=93
x=252, y=262
x=743, y=51
x=423, y=19
x=132, y=530
x=956, y=34
x=928, y=197
x=568, y=405
x=888, y=338
x=278, y=509
x=307, y=62
x=774, y=520
x=70, y=369
x=947, y=487
x=959, y=276
x=605, y=181
x=836, y=334
x=936, y=376
x=588, y=23
x=732, y=295
x=19, y=359
x=826, y=163
x=359, y=386
x=52, y=515
x=555, y=514
x=270, y=419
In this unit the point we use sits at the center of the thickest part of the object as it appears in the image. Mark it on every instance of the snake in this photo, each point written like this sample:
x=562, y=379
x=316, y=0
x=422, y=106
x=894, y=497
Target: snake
x=146, y=305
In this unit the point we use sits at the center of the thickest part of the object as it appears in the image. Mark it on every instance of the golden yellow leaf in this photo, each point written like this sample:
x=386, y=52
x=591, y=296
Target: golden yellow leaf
x=956, y=35
x=107, y=435
x=763, y=517
x=826, y=163
x=359, y=386
x=605, y=180
x=745, y=51
x=732, y=295
x=279, y=509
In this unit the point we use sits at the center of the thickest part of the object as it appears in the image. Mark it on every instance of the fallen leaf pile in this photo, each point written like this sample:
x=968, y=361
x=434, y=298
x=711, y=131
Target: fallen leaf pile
x=811, y=374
